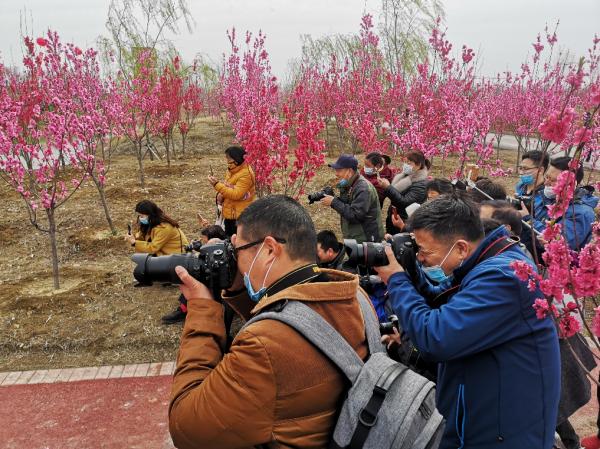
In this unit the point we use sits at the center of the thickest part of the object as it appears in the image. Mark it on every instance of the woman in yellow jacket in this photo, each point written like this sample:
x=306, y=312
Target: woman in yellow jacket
x=237, y=191
x=158, y=233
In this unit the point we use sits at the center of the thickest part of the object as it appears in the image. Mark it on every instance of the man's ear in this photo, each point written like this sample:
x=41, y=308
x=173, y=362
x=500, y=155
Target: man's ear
x=272, y=246
x=463, y=249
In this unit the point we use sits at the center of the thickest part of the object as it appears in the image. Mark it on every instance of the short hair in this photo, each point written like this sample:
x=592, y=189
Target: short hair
x=489, y=225
x=509, y=216
x=282, y=217
x=562, y=163
x=375, y=159
x=236, y=153
x=418, y=158
x=537, y=156
x=449, y=217
x=214, y=232
x=440, y=185
x=328, y=240
x=493, y=189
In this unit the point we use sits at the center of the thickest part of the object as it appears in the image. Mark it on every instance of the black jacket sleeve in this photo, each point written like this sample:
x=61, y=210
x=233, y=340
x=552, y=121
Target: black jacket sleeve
x=416, y=193
x=356, y=211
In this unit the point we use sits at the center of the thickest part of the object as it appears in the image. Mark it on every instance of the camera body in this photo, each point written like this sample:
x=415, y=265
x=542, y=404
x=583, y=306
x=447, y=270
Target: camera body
x=388, y=327
x=372, y=254
x=516, y=201
x=213, y=265
x=318, y=196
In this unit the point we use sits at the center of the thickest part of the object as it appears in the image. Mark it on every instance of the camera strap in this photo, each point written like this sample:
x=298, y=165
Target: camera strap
x=498, y=246
x=300, y=275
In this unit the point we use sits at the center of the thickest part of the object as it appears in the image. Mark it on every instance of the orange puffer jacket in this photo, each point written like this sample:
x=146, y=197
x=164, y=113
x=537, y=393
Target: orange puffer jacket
x=273, y=388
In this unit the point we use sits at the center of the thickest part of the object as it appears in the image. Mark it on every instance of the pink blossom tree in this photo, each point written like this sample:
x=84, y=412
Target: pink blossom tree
x=41, y=123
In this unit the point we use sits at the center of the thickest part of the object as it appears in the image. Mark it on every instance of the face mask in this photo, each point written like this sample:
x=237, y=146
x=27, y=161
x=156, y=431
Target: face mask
x=369, y=171
x=407, y=169
x=343, y=183
x=255, y=296
x=526, y=179
x=436, y=273
x=144, y=221
x=549, y=192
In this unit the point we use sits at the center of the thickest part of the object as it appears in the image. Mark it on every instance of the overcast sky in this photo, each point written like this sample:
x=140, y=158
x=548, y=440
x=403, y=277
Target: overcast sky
x=500, y=30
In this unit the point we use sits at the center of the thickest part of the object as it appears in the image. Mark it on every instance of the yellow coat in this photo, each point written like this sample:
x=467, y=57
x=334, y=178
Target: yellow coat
x=238, y=190
x=163, y=240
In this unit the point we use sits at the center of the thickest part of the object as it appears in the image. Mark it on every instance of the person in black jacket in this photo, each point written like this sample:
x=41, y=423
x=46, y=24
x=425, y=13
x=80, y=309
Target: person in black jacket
x=407, y=187
x=357, y=204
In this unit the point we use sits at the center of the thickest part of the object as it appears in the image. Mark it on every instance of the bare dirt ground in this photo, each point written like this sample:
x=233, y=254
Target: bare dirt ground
x=97, y=317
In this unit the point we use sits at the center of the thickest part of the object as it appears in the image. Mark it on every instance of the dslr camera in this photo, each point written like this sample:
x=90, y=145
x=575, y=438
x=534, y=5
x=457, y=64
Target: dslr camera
x=372, y=254
x=212, y=264
x=388, y=327
x=516, y=201
x=318, y=196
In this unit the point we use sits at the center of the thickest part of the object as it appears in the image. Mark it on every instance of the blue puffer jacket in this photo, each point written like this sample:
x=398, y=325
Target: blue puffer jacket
x=499, y=371
x=577, y=221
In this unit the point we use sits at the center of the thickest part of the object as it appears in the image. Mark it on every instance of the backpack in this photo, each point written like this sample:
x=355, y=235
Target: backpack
x=387, y=405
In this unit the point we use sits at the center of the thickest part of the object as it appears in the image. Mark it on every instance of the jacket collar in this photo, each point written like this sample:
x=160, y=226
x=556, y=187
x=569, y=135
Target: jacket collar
x=335, y=262
x=340, y=286
x=469, y=264
x=237, y=168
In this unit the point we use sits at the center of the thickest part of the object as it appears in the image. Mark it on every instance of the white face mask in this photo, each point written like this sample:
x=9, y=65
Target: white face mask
x=407, y=169
x=370, y=171
x=549, y=192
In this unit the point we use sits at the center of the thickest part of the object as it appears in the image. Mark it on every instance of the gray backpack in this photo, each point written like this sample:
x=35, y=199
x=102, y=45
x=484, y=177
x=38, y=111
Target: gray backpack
x=388, y=405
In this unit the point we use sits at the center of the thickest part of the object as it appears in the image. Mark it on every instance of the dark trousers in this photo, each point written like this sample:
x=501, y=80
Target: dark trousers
x=230, y=227
x=567, y=435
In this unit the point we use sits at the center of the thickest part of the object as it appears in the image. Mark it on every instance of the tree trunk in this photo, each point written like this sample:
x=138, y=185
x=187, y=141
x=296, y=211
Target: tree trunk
x=100, y=188
x=183, y=136
x=172, y=139
x=54, y=252
x=140, y=155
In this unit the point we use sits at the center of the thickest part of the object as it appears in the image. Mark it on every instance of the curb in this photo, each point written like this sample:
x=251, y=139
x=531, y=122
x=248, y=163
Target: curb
x=49, y=376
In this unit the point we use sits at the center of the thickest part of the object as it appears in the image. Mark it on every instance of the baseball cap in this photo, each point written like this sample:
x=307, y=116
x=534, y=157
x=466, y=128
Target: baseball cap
x=345, y=161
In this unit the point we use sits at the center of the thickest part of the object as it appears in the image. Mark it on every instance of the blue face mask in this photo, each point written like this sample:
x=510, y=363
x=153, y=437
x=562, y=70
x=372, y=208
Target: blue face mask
x=343, y=183
x=256, y=295
x=526, y=179
x=436, y=273
x=144, y=221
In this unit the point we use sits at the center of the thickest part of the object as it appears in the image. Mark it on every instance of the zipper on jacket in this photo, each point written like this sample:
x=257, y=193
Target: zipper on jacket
x=461, y=417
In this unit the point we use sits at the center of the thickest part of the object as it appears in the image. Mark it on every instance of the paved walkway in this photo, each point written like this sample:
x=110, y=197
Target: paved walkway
x=112, y=407
x=108, y=407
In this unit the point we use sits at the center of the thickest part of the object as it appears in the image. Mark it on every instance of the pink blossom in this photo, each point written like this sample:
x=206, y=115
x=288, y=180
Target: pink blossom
x=542, y=308
x=41, y=41
x=595, y=94
x=556, y=126
x=582, y=135
x=574, y=79
x=568, y=326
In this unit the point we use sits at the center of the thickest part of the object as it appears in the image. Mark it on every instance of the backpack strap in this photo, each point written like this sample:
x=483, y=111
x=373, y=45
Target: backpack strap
x=320, y=333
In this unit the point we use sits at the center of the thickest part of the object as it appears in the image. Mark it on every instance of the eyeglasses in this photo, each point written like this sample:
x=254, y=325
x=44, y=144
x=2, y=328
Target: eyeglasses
x=522, y=168
x=236, y=250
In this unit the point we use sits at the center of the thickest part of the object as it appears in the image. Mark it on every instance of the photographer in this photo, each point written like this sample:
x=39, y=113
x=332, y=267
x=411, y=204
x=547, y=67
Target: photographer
x=358, y=203
x=157, y=233
x=579, y=215
x=374, y=169
x=407, y=187
x=531, y=185
x=273, y=387
x=499, y=368
x=238, y=190
x=437, y=187
x=330, y=252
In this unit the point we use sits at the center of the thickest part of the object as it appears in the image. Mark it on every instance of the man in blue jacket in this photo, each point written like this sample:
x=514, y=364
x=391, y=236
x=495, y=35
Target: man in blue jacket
x=531, y=184
x=499, y=368
x=579, y=216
